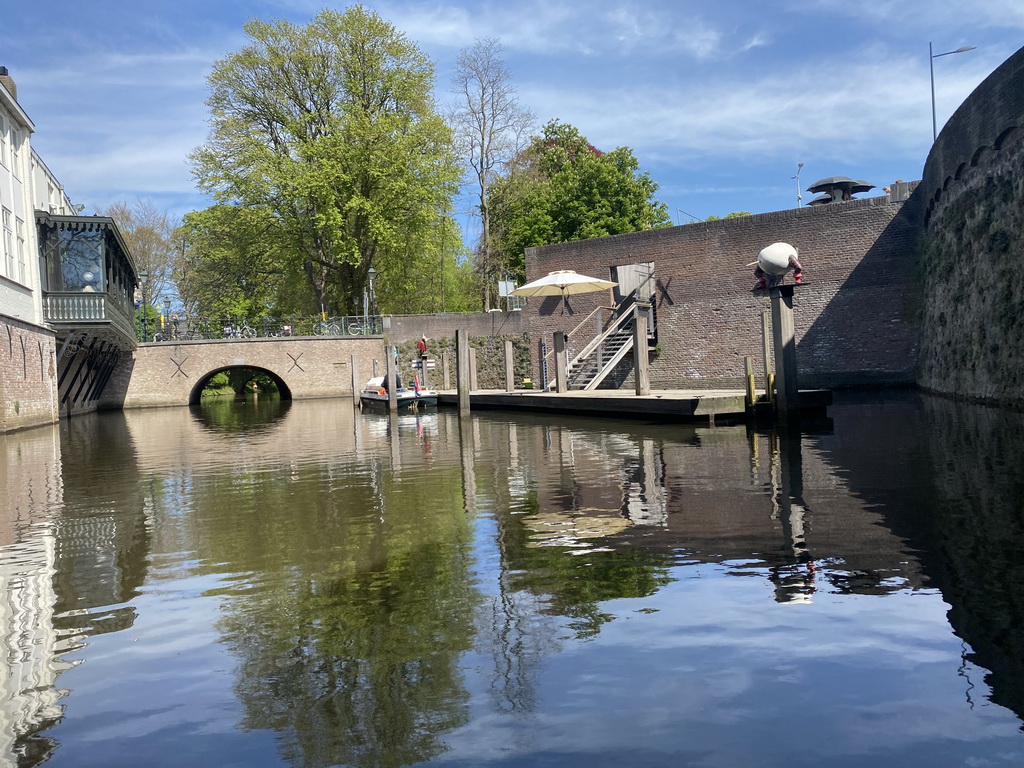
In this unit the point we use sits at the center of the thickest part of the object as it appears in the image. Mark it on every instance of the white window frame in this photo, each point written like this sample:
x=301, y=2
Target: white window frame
x=22, y=264
x=8, y=243
x=3, y=141
x=16, y=152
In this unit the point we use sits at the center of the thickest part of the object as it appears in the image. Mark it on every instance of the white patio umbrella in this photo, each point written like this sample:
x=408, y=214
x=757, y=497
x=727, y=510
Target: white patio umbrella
x=563, y=282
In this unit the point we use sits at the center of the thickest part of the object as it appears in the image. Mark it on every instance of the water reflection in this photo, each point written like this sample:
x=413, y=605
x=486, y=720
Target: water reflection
x=241, y=414
x=308, y=585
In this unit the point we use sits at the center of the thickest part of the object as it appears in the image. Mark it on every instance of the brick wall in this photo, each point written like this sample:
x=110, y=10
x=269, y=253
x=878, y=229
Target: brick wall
x=408, y=328
x=28, y=375
x=972, y=196
x=855, y=319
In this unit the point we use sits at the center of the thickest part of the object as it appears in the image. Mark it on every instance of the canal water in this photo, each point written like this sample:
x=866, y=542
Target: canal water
x=262, y=583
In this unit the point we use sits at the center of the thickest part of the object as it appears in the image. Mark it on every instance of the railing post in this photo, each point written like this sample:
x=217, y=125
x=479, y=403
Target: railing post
x=641, y=315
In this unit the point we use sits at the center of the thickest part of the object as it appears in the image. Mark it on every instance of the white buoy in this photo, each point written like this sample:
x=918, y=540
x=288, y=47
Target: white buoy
x=775, y=258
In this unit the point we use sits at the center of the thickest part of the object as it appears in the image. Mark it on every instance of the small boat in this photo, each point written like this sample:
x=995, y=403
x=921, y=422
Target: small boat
x=374, y=395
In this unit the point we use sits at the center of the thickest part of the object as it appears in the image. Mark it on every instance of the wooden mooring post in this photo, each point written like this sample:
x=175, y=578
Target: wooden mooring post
x=391, y=376
x=787, y=398
x=561, y=363
x=510, y=374
x=462, y=370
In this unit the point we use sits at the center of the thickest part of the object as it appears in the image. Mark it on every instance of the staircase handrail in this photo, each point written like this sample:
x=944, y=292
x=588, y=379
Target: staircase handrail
x=615, y=327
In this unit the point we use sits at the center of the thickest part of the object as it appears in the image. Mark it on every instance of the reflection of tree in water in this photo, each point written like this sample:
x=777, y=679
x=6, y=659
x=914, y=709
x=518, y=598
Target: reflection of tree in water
x=350, y=645
x=227, y=415
x=357, y=671
x=575, y=585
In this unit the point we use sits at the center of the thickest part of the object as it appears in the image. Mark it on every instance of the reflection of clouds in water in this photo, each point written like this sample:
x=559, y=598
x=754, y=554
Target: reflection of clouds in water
x=849, y=675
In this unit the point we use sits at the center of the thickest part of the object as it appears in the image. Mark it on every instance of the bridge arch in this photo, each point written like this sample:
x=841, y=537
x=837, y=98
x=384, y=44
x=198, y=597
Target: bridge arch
x=196, y=394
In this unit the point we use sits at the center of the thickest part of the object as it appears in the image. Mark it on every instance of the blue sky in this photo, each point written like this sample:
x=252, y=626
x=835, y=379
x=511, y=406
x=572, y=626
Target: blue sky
x=719, y=101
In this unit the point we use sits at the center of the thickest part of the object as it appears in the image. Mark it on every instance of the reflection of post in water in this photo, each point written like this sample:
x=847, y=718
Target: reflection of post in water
x=509, y=628
x=394, y=441
x=794, y=581
x=644, y=499
x=466, y=452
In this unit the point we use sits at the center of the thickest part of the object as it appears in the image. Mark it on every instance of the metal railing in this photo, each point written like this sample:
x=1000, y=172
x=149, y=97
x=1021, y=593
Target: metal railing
x=184, y=328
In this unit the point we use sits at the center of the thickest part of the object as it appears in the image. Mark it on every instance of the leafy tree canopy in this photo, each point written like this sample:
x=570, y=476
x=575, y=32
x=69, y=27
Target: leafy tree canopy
x=562, y=188
x=330, y=132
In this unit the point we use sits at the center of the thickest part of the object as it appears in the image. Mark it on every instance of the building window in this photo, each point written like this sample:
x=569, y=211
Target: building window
x=3, y=141
x=22, y=258
x=15, y=152
x=8, y=244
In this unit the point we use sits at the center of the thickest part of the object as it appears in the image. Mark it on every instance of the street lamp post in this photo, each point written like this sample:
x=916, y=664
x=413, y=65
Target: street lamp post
x=143, y=278
x=931, y=67
x=371, y=276
x=167, y=316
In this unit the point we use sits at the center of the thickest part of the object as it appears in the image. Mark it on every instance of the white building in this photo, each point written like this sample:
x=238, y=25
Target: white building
x=67, y=284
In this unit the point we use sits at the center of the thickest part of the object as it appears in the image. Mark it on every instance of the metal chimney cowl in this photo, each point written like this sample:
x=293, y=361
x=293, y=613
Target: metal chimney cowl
x=8, y=82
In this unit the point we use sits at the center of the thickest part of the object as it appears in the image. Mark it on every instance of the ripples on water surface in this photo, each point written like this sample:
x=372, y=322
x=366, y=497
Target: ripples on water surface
x=268, y=584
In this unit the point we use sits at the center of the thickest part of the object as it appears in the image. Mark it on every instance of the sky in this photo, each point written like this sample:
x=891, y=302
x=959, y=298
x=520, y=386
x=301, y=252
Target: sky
x=720, y=101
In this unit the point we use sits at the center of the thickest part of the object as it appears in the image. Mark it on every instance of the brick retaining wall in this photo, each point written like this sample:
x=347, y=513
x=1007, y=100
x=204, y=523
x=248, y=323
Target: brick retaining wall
x=972, y=194
x=28, y=375
x=855, y=319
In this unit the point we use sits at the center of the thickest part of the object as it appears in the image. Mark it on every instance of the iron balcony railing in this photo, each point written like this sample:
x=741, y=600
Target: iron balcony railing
x=186, y=328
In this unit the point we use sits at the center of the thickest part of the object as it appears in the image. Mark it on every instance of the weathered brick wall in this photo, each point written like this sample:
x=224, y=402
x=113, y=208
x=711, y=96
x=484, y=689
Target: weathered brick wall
x=855, y=319
x=28, y=375
x=972, y=196
x=487, y=333
x=403, y=328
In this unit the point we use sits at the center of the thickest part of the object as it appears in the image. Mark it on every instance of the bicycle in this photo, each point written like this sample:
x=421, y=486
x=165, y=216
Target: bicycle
x=324, y=328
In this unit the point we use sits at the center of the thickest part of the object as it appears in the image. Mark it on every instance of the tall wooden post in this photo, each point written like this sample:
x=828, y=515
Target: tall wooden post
x=390, y=377
x=445, y=370
x=473, y=384
x=356, y=385
x=462, y=369
x=641, y=319
x=510, y=378
x=561, y=363
x=784, y=336
x=766, y=335
x=748, y=371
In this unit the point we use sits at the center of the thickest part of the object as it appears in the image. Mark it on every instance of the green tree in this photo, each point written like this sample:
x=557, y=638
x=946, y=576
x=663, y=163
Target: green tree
x=229, y=265
x=733, y=215
x=330, y=130
x=562, y=188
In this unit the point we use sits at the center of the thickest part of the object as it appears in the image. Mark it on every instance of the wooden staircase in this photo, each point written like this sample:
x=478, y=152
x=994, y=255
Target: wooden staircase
x=602, y=354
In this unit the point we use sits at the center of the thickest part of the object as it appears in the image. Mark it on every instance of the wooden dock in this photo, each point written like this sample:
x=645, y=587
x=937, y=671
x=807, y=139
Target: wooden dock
x=705, y=406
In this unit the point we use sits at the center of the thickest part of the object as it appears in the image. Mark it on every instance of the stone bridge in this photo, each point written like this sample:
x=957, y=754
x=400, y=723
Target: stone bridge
x=173, y=373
